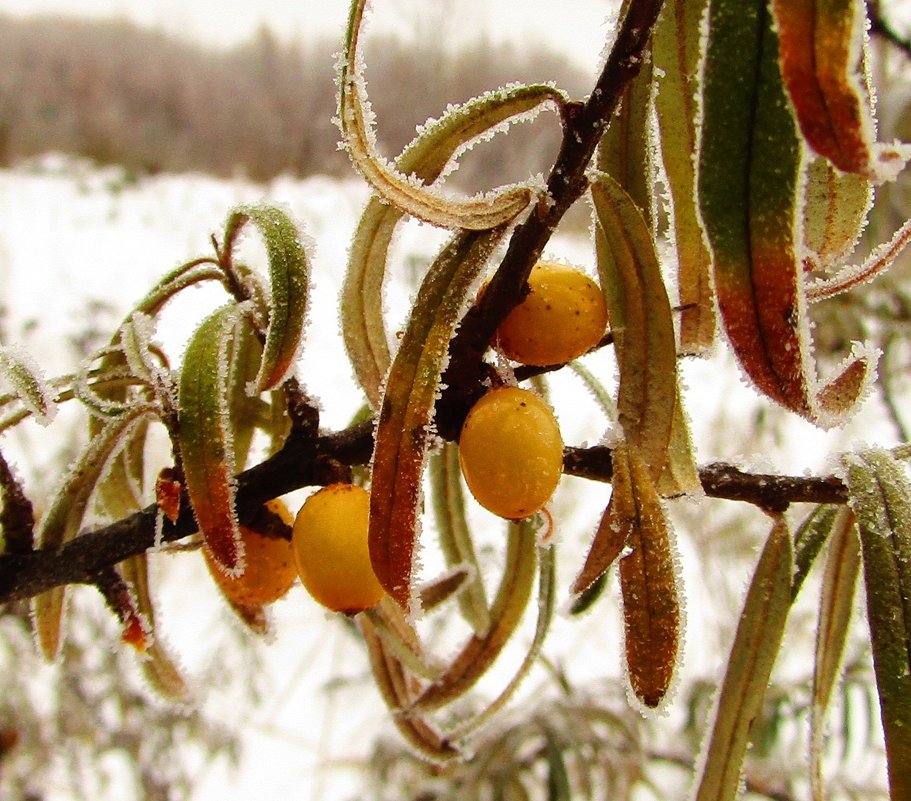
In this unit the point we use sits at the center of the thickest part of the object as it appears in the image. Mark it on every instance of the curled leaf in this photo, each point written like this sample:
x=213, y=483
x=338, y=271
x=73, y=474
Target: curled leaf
x=289, y=286
x=205, y=436
x=403, y=431
x=475, y=213
x=427, y=157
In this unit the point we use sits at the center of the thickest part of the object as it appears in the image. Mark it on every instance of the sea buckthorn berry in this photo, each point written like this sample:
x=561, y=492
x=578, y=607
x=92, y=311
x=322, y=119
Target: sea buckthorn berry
x=511, y=452
x=269, y=570
x=331, y=551
x=563, y=316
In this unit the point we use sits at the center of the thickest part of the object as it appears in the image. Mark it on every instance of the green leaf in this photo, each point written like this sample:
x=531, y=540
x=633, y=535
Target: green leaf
x=403, y=430
x=836, y=608
x=640, y=321
x=28, y=384
x=366, y=338
x=809, y=540
x=289, y=282
x=753, y=653
x=478, y=653
x=676, y=52
x=476, y=213
x=204, y=431
x=749, y=190
x=454, y=535
x=880, y=496
x=66, y=512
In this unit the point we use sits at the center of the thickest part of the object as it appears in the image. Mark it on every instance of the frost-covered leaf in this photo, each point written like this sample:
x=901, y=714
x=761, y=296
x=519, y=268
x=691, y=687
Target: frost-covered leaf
x=289, y=287
x=396, y=688
x=64, y=515
x=476, y=213
x=635, y=530
x=479, y=652
x=246, y=412
x=753, y=653
x=676, y=52
x=749, y=182
x=822, y=44
x=28, y=383
x=454, y=535
x=880, y=496
x=835, y=207
x=204, y=429
x=158, y=666
x=809, y=540
x=403, y=429
x=426, y=158
x=836, y=608
x=640, y=322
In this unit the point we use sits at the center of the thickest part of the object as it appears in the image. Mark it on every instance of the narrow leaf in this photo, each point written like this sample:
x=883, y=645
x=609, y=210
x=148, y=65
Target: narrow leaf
x=756, y=645
x=749, y=171
x=289, y=283
x=403, y=430
x=836, y=608
x=454, y=535
x=478, y=653
x=809, y=540
x=822, y=45
x=640, y=321
x=880, y=495
x=676, y=52
x=651, y=606
x=476, y=213
x=204, y=430
x=427, y=157
x=65, y=514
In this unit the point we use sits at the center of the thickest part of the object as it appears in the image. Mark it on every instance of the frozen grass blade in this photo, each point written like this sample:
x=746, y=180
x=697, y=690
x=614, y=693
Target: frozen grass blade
x=289, y=282
x=507, y=609
x=205, y=436
x=406, y=416
x=756, y=645
x=881, y=500
x=454, y=535
x=65, y=514
x=476, y=213
x=426, y=158
x=836, y=608
x=822, y=44
x=676, y=52
x=749, y=180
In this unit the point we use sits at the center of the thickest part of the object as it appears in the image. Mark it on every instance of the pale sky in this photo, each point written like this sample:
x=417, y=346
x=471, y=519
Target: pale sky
x=578, y=27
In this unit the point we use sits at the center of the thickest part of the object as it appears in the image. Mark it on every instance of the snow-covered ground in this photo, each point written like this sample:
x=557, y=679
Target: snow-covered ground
x=72, y=235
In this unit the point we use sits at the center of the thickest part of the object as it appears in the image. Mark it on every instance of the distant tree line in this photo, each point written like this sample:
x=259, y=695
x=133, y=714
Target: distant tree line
x=121, y=94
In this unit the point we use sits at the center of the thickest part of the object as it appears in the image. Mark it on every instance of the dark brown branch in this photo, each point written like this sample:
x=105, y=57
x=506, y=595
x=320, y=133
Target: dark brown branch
x=585, y=123
x=304, y=461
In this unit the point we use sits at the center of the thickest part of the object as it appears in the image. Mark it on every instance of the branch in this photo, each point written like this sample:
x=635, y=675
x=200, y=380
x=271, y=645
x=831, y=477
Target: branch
x=304, y=461
x=882, y=27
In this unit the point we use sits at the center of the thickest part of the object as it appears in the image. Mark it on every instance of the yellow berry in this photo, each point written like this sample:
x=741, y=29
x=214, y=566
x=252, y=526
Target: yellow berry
x=269, y=568
x=331, y=551
x=563, y=316
x=511, y=452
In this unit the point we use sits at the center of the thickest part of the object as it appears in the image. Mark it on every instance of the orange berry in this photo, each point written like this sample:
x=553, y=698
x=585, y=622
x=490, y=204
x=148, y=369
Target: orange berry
x=563, y=316
x=511, y=452
x=331, y=551
x=269, y=570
